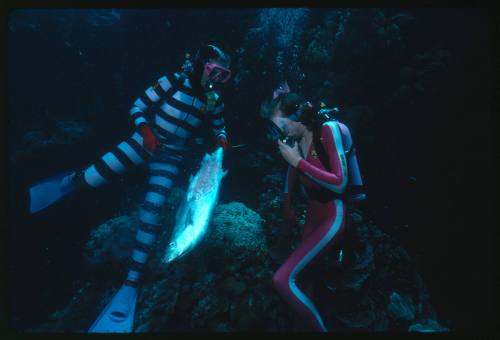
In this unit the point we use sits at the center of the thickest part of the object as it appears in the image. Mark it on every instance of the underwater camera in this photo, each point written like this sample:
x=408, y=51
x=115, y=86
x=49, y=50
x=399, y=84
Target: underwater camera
x=275, y=133
x=288, y=141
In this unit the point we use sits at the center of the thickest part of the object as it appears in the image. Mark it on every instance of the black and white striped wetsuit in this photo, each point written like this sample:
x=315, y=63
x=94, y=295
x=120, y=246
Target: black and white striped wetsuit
x=176, y=112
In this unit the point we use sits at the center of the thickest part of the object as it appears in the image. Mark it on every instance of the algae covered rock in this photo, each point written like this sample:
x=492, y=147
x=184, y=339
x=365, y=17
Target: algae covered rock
x=236, y=234
x=377, y=287
x=400, y=307
x=427, y=326
x=157, y=300
x=112, y=241
x=233, y=286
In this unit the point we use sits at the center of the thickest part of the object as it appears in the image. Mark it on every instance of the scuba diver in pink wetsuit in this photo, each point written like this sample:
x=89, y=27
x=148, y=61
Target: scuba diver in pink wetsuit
x=321, y=159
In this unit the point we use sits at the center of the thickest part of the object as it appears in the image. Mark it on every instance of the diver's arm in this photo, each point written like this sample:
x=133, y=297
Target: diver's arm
x=142, y=104
x=152, y=95
x=336, y=178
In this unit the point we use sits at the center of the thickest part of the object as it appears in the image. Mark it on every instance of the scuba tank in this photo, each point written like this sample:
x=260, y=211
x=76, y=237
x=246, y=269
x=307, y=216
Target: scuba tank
x=355, y=182
x=354, y=189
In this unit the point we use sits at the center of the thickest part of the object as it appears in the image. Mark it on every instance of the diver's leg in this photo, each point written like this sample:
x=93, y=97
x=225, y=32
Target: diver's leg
x=164, y=170
x=319, y=240
x=118, y=316
x=119, y=160
x=307, y=279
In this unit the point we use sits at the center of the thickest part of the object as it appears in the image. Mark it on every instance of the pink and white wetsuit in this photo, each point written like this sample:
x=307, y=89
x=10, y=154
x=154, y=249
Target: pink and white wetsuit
x=325, y=222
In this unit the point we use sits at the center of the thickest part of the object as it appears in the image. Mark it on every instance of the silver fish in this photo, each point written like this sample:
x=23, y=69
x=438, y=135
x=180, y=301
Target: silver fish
x=194, y=214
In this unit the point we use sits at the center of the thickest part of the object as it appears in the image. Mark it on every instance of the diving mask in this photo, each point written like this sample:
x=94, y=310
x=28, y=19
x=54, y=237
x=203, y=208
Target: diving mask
x=217, y=73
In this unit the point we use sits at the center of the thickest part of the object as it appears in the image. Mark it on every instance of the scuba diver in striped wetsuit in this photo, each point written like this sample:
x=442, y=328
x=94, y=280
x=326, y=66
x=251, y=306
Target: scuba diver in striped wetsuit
x=321, y=158
x=169, y=114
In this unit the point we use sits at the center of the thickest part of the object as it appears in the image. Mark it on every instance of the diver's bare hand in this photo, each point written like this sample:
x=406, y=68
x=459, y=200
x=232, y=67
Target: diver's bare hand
x=291, y=155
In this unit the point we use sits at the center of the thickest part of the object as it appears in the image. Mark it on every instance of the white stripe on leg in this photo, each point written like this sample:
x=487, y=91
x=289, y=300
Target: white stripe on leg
x=332, y=231
x=93, y=178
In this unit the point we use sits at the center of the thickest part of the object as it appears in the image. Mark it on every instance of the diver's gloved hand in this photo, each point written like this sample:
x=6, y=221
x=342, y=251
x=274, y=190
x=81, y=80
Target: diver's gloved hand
x=226, y=145
x=287, y=211
x=150, y=140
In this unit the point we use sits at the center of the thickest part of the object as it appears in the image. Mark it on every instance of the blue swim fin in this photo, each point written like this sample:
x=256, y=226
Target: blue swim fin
x=118, y=316
x=50, y=190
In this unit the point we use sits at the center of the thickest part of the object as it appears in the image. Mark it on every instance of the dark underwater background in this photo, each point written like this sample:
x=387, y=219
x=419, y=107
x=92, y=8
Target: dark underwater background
x=415, y=87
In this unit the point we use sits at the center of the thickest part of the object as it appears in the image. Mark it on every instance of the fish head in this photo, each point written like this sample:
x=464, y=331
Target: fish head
x=180, y=243
x=173, y=252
